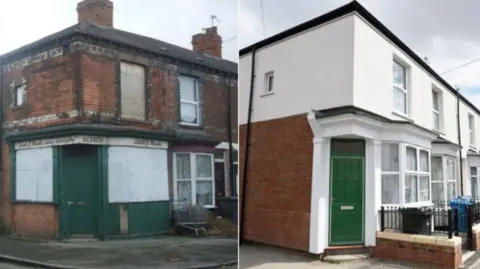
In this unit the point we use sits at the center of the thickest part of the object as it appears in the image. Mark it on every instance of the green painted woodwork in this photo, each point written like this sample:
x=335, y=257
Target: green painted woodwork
x=105, y=221
x=56, y=173
x=347, y=192
x=80, y=196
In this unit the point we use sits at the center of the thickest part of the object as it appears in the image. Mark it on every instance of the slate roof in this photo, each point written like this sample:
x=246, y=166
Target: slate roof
x=134, y=40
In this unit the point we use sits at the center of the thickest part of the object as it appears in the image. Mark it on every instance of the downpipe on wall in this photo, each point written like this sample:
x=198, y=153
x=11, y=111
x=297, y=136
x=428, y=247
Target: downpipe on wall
x=459, y=141
x=247, y=148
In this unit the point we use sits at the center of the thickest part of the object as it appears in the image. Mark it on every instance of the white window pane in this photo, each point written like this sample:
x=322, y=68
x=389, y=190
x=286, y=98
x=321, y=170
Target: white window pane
x=435, y=100
x=424, y=166
x=451, y=190
x=472, y=138
x=183, y=166
x=470, y=122
x=411, y=159
x=204, y=193
x=436, y=121
x=270, y=83
x=451, y=169
x=187, y=89
x=474, y=184
x=437, y=193
x=189, y=113
x=473, y=171
x=424, y=189
x=411, y=193
x=184, y=191
x=399, y=73
x=390, y=157
x=204, y=166
x=399, y=100
x=390, y=189
x=437, y=170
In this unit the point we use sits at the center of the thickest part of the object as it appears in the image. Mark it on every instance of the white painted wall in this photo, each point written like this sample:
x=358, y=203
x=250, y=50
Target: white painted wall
x=34, y=175
x=313, y=70
x=137, y=175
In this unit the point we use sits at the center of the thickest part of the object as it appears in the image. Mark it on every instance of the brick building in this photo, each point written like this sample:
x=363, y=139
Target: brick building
x=103, y=129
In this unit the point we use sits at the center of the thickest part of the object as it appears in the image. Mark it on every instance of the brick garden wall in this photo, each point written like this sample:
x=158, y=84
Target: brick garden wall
x=440, y=252
x=279, y=182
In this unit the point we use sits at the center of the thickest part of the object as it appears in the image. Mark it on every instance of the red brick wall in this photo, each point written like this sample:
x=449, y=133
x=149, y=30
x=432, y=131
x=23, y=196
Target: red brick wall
x=476, y=240
x=438, y=256
x=279, y=181
x=35, y=220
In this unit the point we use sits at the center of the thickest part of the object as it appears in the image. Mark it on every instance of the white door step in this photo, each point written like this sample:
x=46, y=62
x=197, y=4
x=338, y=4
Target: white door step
x=345, y=258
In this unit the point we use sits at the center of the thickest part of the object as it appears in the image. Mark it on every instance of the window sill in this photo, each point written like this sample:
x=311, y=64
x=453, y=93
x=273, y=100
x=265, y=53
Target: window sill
x=18, y=107
x=190, y=125
x=209, y=206
x=267, y=94
x=401, y=115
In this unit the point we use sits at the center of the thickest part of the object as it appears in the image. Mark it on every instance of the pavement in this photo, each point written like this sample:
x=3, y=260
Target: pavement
x=266, y=257
x=169, y=252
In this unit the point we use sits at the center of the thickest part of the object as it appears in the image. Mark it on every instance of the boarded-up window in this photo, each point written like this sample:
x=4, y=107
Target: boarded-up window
x=132, y=82
x=137, y=175
x=34, y=175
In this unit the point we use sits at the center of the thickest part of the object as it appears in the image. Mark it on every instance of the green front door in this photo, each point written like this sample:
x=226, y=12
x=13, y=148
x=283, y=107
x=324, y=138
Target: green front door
x=347, y=189
x=80, y=200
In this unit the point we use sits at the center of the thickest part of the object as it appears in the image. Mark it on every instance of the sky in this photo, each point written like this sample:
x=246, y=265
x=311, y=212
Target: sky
x=445, y=31
x=167, y=20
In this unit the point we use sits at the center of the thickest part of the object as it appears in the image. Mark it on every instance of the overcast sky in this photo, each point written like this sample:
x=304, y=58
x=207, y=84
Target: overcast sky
x=446, y=31
x=173, y=21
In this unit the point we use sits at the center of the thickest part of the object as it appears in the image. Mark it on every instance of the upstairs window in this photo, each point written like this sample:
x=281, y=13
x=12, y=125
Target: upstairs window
x=20, y=95
x=436, y=110
x=471, y=128
x=399, y=88
x=269, y=83
x=189, y=104
x=132, y=86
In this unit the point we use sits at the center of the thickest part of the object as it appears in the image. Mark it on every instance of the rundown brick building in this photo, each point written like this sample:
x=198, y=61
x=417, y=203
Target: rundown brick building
x=103, y=129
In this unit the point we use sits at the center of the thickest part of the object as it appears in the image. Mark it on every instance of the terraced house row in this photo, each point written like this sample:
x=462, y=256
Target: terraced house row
x=103, y=129
x=343, y=117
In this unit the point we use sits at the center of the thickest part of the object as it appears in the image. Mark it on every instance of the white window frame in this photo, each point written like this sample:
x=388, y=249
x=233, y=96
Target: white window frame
x=193, y=176
x=196, y=103
x=471, y=129
x=436, y=112
x=267, y=89
x=403, y=88
x=403, y=172
x=474, y=177
x=20, y=94
x=445, y=176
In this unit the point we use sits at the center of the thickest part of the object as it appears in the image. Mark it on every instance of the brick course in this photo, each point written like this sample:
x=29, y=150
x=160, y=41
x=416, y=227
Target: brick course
x=279, y=181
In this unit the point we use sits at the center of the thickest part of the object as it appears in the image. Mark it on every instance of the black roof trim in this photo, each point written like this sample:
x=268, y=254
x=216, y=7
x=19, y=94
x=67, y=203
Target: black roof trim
x=341, y=110
x=441, y=140
x=351, y=7
x=132, y=40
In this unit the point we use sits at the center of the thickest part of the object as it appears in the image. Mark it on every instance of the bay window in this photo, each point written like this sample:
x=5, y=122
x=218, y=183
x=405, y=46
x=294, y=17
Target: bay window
x=444, y=179
x=194, y=182
x=407, y=180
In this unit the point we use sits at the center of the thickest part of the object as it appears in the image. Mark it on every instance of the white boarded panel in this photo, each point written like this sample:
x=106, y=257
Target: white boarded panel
x=145, y=172
x=117, y=175
x=34, y=175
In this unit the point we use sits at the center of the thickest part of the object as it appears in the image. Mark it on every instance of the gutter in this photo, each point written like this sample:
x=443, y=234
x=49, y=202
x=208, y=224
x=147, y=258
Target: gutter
x=459, y=142
x=229, y=126
x=247, y=149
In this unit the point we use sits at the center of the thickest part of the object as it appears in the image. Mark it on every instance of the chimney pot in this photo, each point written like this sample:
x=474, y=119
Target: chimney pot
x=96, y=11
x=209, y=42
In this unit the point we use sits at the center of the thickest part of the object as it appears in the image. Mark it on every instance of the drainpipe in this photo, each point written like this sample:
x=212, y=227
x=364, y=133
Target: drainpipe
x=459, y=141
x=229, y=126
x=247, y=148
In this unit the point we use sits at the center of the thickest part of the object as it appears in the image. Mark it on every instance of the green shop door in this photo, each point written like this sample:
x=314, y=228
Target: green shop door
x=80, y=201
x=347, y=192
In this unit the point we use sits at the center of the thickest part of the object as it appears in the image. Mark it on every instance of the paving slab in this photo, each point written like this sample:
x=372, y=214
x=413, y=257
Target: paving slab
x=160, y=252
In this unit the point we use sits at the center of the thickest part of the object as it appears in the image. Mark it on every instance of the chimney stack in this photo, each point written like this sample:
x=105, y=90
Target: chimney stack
x=209, y=42
x=99, y=12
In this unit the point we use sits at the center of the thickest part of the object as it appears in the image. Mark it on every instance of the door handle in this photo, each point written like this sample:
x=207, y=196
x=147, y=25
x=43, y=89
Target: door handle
x=80, y=203
x=70, y=203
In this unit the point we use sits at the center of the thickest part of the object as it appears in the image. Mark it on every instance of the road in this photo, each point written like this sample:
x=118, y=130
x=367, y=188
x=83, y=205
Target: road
x=13, y=266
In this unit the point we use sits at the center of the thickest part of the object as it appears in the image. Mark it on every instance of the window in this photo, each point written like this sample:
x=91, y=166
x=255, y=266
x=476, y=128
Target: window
x=436, y=110
x=412, y=179
x=132, y=97
x=390, y=174
x=189, y=105
x=474, y=181
x=399, y=88
x=269, y=83
x=471, y=128
x=443, y=180
x=20, y=95
x=194, y=178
